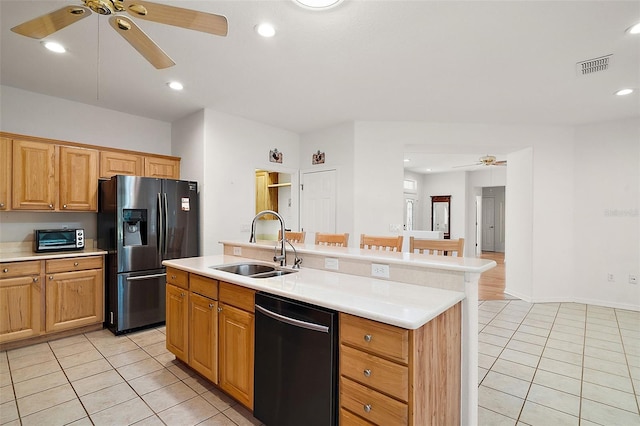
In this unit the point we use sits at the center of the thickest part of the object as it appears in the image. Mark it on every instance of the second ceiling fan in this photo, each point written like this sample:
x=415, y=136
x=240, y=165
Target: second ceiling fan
x=49, y=23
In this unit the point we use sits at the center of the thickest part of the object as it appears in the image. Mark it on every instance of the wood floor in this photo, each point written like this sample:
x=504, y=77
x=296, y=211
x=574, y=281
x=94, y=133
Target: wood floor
x=491, y=284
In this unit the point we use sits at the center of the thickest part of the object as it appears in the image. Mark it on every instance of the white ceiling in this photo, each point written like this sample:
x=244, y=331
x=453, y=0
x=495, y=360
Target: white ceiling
x=500, y=62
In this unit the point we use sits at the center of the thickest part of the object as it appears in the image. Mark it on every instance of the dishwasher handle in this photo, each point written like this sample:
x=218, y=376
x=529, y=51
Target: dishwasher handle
x=293, y=321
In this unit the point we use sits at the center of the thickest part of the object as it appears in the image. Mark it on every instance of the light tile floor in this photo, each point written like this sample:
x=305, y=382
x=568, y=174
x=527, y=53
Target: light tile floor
x=558, y=364
x=540, y=364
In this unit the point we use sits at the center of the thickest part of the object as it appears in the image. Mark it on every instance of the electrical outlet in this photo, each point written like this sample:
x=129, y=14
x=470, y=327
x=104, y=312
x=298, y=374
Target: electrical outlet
x=331, y=263
x=611, y=278
x=237, y=251
x=379, y=270
x=633, y=279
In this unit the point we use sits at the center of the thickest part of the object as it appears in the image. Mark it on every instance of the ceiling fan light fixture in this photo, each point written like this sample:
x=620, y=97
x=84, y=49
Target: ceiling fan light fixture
x=624, y=92
x=175, y=85
x=318, y=4
x=265, y=30
x=54, y=46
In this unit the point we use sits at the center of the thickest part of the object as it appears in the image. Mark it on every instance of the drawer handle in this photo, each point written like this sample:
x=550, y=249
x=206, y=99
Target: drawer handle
x=368, y=337
x=5, y=270
x=367, y=373
x=367, y=408
x=75, y=263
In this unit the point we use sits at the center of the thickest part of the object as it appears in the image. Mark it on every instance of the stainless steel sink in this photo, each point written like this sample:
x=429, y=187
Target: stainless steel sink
x=253, y=270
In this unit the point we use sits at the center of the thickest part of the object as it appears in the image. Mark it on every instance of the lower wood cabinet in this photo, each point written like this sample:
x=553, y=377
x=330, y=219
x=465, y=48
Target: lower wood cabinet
x=39, y=297
x=74, y=293
x=203, y=336
x=177, y=321
x=20, y=300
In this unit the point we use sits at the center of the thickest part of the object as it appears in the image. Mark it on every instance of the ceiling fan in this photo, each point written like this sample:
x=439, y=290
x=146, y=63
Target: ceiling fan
x=487, y=160
x=48, y=24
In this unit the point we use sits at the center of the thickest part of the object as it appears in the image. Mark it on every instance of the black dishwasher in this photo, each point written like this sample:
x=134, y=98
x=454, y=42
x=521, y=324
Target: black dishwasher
x=296, y=363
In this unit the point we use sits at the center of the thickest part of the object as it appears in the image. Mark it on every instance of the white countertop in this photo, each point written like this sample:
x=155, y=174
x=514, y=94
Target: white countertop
x=19, y=256
x=400, y=304
x=450, y=263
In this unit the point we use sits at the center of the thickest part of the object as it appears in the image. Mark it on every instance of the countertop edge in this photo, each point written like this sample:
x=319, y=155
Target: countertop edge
x=26, y=256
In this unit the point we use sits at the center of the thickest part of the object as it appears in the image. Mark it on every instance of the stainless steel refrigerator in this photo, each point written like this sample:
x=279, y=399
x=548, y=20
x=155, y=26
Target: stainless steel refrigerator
x=141, y=222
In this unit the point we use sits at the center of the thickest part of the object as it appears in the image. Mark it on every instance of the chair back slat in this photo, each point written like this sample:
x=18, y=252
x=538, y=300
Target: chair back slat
x=338, y=240
x=381, y=243
x=437, y=247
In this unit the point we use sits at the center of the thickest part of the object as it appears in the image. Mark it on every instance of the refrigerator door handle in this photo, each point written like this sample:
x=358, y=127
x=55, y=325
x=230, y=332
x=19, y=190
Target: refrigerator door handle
x=146, y=277
x=160, y=225
x=165, y=211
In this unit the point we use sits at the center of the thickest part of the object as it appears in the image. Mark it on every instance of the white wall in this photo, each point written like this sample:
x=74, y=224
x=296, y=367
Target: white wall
x=233, y=148
x=338, y=145
x=33, y=114
x=606, y=222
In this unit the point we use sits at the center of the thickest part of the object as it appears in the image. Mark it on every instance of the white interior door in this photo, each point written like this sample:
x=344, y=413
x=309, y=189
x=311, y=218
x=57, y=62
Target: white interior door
x=488, y=224
x=478, y=247
x=318, y=202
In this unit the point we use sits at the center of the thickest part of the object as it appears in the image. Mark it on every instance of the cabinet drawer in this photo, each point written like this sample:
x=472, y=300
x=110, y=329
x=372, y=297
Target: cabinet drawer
x=73, y=264
x=372, y=336
x=238, y=296
x=178, y=277
x=375, y=372
x=207, y=287
x=19, y=269
x=371, y=405
x=347, y=418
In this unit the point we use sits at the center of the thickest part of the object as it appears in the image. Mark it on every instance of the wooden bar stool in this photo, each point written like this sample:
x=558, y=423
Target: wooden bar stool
x=437, y=247
x=292, y=237
x=380, y=243
x=337, y=240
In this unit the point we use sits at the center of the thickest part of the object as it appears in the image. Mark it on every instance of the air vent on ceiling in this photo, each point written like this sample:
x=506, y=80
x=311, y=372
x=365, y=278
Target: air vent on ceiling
x=591, y=66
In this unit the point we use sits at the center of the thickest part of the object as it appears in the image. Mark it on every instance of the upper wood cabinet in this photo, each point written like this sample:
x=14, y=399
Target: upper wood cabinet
x=120, y=163
x=34, y=176
x=78, y=179
x=5, y=173
x=52, y=177
x=161, y=167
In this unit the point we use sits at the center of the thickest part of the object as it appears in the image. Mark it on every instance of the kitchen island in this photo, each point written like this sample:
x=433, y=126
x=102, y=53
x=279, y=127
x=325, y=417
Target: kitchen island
x=423, y=298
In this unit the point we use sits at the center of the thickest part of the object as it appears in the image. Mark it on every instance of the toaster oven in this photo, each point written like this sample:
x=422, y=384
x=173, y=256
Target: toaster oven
x=45, y=240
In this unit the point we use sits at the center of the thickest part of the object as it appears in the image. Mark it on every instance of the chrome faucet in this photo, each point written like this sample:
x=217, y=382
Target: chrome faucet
x=252, y=239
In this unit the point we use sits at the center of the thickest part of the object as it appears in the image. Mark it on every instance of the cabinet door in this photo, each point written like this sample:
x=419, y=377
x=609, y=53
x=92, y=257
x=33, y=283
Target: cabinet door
x=203, y=336
x=236, y=328
x=74, y=299
x=34, y=180
x=5, y=173
x=78, y=179
x=19, y=308
x=119, y=163
x=162, y=167
x=177, y=322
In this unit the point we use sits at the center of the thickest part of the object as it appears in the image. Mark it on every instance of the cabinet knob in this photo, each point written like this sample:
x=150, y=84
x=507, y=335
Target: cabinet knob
x=51, y=206
x=5, y=270
x=367, y=408
x=50, y=277
x=75, y=263
x=211, y=305
x=35, y=279
x=181, y=294
x=173, y=277
x=64, y=206
x=1, y=205
x=219, y=309
x=367, y=373
x=368, y=337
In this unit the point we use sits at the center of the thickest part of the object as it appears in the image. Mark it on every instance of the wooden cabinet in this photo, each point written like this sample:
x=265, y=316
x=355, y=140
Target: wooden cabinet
x=20, y=300
x=266, y=191
x=393, y=376
x=74, y=293
x=177, y=313
x=203, y=336
x=34, y=178
x=78, y=179
x=50, y=177
x=161, y=167
x=120, y=163
x=236, y=343
x=5, y=173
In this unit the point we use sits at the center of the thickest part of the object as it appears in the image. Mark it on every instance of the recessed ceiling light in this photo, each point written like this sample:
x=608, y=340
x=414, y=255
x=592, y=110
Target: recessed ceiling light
x=176, y=85
x=428, y=170
x=623, y=92
x=317, y=4
x=634, y=29
x=54, y=47
x=266, y=30
x=406, y=160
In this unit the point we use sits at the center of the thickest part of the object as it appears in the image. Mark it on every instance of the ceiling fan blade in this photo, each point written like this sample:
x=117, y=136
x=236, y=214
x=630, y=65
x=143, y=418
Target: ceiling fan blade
x=466, y=165
x=45, y=25
x=141, y=42
x=500, y=163
x=177, y=16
